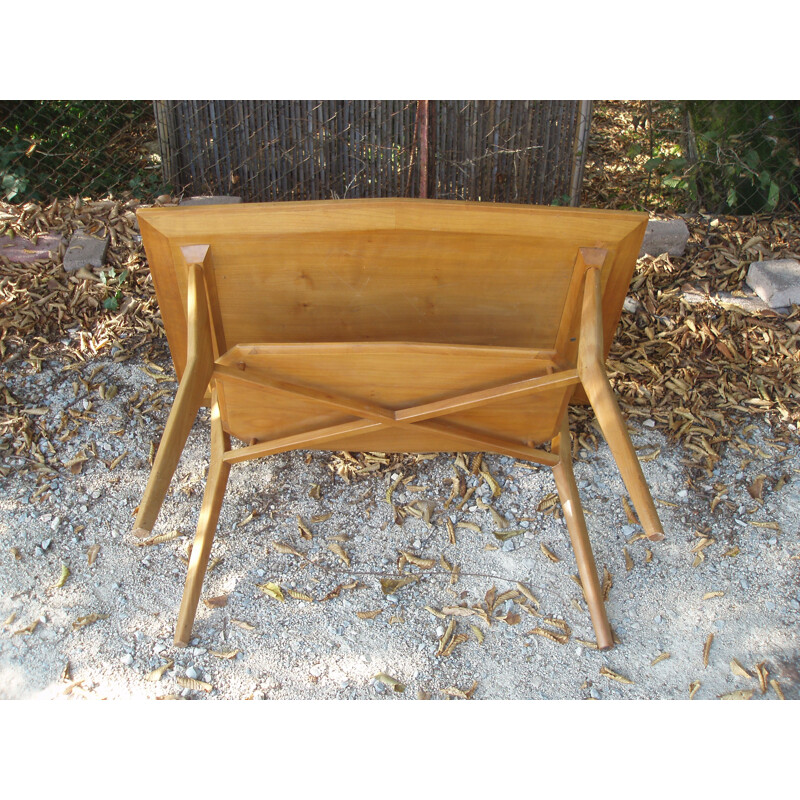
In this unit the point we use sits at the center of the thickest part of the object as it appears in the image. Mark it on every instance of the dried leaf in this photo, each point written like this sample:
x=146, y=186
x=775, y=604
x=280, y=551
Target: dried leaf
x=92, y=554
x=651, y=456
x=453, y=643
x=548, y=502
x=499, y=520
x=445, y=638
x=157, y=674
x=528, y=593
x=160, y=539
x=558, y=623
x=738, y=669
x=777, y=687
x=693, y=687
x=614, y=676
x=773, y=526
x=435, y=612
x=272, y=590
x=762, y=672
x=89, y=619
x=504, y=536
x=560, y=638
x=191, y=683
x=299, y=595
x=220, y=601
x=608, y=583
x=336, y=591
x=709, y=595
x=629, y=512
x=392, y=585
x=756, y=488
x=424, y=563
x=451, y=533
x=458, y=611
x=338, y=550
x=320, y=518
x=469, y=526
x=249, y=518
x=740, y=694
x=29, y=628
x=454, y=691
x=305, y=531
x=286, y=549
x=391, y=682
x=240, y=623
x=659, y=658
x=118, y=460
x=478, y=633
x=549, y=553
x=228, y=655
x=628, y=560
x=707, y=649
x=65, y=573
x=392, y=487
x=368, y=614
x=493, y=484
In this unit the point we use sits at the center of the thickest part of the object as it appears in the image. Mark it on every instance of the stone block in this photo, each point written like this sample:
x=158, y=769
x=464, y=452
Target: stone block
x=776, y=282
x=210, y=201
x=20, y=250
x=665, y=236
x=85, y=251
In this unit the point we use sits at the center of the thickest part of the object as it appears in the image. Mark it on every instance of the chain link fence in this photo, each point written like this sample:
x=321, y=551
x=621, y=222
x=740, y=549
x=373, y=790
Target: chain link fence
x=735, y=157
x=58, y=148
x=716, y=156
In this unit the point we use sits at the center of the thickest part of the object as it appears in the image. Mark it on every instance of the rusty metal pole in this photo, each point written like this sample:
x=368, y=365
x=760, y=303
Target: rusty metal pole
x=422, y=112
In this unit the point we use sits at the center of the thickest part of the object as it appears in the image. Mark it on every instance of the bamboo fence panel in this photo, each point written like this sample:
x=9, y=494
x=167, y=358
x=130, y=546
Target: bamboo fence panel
x=519, y=151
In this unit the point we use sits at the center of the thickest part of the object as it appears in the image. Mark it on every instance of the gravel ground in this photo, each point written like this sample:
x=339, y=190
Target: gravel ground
x=733, y=597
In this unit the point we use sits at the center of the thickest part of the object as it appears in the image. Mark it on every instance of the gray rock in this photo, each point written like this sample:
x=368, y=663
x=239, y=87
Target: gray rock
x=777, y=282
x=665, y=236
x=210, y=200
x=631, y=305
x=85, y=251
x=22, y=251
x=750, y=304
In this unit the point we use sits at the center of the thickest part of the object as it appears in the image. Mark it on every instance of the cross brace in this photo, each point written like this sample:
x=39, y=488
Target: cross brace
x=374, y=417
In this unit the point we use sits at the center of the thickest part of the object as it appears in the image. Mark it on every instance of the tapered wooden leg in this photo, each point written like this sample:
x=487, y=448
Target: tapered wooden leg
x=184, y=410
x=576, y=525
x=595, y=383
x=615, y=432
x=218, y=471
